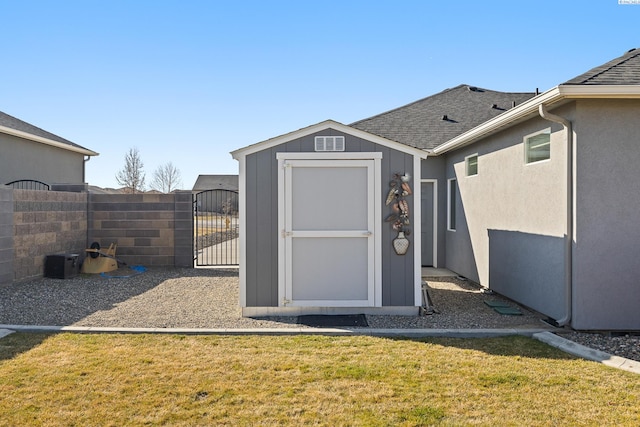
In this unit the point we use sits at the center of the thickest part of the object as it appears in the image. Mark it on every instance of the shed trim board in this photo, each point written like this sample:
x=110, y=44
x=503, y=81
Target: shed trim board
x=417, y=241
x=242, y=229
x=290, y=283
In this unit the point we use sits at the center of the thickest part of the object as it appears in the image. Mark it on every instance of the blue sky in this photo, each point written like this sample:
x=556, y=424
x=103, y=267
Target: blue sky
x=189, y=81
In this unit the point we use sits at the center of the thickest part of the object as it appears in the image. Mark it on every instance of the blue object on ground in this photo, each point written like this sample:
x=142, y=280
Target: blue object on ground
x=137, y=269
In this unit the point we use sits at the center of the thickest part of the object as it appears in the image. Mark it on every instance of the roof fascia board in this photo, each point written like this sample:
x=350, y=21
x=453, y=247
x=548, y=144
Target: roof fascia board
x=530, y=108
x=254, y=148
x=600, y=91
x=47, y=141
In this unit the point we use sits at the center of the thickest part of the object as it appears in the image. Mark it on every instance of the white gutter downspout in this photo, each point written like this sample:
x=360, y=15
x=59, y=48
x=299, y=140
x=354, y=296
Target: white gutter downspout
x=568, y=253
x=84, y=168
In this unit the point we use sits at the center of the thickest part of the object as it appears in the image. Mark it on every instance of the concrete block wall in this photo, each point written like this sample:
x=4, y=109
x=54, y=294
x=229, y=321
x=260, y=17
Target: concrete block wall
x=46, y=223
x=154, y=230
x=6, y=235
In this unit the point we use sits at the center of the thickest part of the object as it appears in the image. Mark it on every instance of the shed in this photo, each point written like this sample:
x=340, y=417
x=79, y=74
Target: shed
x=314, y=239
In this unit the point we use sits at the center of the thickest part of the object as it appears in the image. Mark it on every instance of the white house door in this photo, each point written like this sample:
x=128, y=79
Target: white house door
x=329, y=224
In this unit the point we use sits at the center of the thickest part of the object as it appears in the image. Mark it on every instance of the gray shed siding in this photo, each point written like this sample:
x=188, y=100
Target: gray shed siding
x=606, y=268
x=261, y=174
x=510, y=220
x=24, y=159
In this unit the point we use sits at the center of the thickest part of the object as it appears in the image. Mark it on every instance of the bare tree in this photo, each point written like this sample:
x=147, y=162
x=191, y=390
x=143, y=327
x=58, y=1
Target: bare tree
x=132, y=176
x=166, y=178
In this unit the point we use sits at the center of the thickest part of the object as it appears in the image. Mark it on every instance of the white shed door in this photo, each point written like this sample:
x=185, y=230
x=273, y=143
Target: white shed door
x=329, y=233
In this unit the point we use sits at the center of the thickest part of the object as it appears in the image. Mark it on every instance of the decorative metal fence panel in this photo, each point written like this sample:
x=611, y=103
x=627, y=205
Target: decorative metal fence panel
x=215, y=226
x=29, y=184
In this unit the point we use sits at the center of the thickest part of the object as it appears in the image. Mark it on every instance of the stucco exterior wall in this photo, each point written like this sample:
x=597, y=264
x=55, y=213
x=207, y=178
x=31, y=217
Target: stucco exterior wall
x=607, y=231
x=510, y=221
x=24, y=159
x=262, y=223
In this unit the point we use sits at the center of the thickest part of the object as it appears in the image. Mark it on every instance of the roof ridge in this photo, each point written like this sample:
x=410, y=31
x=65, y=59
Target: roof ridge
x=405, y=105
x=624, y=58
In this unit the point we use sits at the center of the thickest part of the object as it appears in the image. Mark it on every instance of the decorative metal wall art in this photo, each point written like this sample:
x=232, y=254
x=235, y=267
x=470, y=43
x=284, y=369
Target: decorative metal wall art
x=399, y=218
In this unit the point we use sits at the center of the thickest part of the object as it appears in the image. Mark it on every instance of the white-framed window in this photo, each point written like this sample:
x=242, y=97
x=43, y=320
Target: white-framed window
x=329, y=143
x=537, y=146
x=471, y=165
x=452, y=193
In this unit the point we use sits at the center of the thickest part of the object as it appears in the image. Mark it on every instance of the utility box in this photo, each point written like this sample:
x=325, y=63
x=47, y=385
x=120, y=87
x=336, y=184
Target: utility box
x=61, y=266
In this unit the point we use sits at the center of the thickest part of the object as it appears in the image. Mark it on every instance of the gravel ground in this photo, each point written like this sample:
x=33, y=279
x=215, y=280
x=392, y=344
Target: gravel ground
x=208, y=298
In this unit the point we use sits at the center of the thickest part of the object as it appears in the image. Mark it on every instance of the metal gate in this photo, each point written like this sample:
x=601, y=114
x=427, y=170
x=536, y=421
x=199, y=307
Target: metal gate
x=215, y=226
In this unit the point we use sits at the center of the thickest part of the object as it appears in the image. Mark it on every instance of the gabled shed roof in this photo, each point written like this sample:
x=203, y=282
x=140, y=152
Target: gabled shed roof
x=431, y=121
x=322, y=126
x=13, y=126
x=624, y=70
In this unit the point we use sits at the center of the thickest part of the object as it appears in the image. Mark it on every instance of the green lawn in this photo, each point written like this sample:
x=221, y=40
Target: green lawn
x=118, y=380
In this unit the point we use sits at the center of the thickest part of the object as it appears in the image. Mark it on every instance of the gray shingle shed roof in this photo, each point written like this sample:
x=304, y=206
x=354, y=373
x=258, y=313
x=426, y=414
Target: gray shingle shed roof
x=431, y=121
x=16, y=124
x=624, y=70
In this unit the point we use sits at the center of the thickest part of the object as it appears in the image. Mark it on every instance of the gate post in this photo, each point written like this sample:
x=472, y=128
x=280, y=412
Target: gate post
x=183, y=229
x=6, y=235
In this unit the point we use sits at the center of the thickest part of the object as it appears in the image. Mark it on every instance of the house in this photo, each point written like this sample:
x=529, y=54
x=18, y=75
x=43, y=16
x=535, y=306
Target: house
x=32, y=154
x=216, y=182
x=543, y=200
x=533, y=196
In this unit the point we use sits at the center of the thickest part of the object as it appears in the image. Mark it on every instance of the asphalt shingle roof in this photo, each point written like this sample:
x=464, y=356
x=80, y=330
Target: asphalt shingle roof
x=216, y=182
x=624, y=70
x=431, y=121
x=17, y=124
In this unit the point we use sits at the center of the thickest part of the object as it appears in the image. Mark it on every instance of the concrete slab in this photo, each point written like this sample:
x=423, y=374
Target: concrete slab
x=5, y=332
x=409, y=333
x=437, y=272
x=227, y=252
x=588, y=353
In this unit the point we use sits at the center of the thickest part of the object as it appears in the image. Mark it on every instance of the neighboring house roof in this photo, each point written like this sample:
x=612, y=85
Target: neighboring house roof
x=624, y=70
x=16, y=127
x=431, y=121
x=216, y=182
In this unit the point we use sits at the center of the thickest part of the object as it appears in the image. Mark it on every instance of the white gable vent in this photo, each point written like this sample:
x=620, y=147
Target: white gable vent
x=329, y=143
